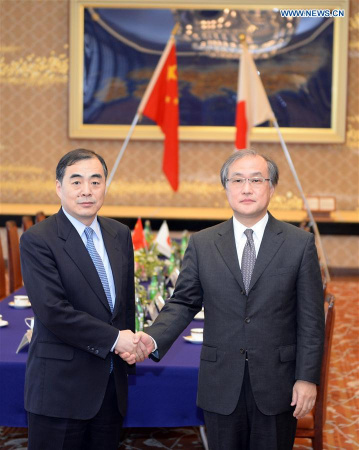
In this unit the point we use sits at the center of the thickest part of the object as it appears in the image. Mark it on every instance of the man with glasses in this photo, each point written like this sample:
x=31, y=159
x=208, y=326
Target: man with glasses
x=260, y=284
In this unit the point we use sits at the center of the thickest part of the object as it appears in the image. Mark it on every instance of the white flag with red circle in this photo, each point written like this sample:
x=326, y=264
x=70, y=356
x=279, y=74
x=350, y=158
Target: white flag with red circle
x=253, y=107
x=163, y=240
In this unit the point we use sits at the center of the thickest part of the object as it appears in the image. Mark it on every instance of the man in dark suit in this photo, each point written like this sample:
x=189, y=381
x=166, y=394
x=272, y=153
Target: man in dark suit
x=264, y=315
x=78, y=271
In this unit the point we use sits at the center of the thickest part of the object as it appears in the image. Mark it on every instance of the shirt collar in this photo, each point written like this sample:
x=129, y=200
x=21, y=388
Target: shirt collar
x=80, y=227
x=258, y=228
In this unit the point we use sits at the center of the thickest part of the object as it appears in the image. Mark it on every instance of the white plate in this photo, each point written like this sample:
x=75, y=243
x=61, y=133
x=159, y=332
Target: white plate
x=199, y=316
x=4, y=323
x=191, y=340
x=12, y=305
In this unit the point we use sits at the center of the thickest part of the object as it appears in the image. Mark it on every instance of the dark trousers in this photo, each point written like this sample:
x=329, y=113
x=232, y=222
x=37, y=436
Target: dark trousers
x=100, y=432
x=249, y=429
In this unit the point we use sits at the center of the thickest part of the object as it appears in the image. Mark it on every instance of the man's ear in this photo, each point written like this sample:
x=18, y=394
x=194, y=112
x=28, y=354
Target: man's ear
x=58, y=188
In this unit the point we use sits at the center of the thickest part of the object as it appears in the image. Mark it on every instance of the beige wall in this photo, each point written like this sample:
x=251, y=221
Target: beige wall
x=34, y=130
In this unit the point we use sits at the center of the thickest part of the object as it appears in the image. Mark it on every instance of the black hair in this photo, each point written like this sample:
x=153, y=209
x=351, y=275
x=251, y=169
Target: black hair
x=77, y=155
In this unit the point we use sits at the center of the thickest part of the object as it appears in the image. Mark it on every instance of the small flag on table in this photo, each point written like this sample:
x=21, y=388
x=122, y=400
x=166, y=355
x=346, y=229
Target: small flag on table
x=163, y=240
x=138, y=236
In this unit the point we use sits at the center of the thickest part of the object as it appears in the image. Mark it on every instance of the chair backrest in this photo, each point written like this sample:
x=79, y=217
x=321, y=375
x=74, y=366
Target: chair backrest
x=14, y=266
x=40, y=216
x=321, y=402
x=2, y=274
x=27, y=222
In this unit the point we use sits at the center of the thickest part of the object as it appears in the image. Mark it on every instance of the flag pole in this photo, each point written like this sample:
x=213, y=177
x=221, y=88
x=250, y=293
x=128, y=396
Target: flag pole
x=306, y=204
x=122, y=151
x=143, y=103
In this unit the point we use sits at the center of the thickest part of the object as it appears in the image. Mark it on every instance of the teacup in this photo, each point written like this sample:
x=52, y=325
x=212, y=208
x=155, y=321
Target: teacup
x=21, y=300
x=197, y=334
x=2, y=321
x=30, y=322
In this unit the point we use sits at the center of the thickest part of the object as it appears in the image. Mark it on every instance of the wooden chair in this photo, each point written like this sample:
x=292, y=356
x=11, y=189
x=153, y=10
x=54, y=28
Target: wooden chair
x=27, y=222
x=311, y=426
x=14, y=266
x=2, y=274
x=40, y=216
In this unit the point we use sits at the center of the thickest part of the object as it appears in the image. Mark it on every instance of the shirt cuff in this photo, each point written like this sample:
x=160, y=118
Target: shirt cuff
x=155, y=344
x=114, y=345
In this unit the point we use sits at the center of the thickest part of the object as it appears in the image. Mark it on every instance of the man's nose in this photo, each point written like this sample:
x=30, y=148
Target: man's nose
x=86, y=189
x=247, y=186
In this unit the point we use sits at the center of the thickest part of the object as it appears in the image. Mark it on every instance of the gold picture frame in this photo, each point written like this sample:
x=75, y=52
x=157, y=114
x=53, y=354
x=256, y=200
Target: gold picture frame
x=334, y=134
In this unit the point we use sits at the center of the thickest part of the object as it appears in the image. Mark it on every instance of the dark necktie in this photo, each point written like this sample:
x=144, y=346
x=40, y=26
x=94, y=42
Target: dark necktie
x=248, y=259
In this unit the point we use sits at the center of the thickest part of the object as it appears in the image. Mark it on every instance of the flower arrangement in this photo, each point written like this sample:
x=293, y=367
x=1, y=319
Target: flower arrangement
x=147, y=263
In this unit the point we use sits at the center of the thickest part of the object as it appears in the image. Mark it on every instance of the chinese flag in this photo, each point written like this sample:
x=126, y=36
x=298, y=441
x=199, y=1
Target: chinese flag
x=253, y=106
x=138, y=236
x=160, y=103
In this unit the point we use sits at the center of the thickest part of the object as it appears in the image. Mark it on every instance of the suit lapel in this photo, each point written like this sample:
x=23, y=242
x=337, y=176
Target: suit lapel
x=115, y=256
x=271, y=242
x=76, y=250
x=226, y=246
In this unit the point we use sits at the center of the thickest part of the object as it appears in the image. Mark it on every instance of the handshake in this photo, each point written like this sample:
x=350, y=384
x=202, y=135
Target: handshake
x=134, y=347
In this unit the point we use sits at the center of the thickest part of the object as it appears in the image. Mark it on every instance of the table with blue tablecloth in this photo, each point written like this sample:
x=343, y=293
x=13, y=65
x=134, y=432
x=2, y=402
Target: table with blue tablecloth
x=160, y=394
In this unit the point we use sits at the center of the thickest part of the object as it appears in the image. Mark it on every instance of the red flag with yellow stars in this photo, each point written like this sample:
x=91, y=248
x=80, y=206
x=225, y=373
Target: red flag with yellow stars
x=138, y=236
x=160, y=103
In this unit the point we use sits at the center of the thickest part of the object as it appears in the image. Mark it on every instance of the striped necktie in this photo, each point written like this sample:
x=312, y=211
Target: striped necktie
x=248, y=259
x=98, y=264
x=100, y=270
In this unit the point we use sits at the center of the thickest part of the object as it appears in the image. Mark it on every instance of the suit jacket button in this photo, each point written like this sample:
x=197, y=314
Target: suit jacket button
x=92, y=349
x=242, y=350
x=96, y=352
x=88, y=348
x=247, y=320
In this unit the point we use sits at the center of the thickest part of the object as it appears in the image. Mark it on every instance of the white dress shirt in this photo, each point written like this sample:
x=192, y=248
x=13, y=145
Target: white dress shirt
x=241, y=238
x=101, y=250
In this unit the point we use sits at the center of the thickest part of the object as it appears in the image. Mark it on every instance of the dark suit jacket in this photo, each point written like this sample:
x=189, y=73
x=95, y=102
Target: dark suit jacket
x=68, y=365
x=280, y=324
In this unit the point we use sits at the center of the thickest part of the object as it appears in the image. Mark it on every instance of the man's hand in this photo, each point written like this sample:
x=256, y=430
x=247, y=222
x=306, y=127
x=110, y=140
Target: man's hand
x=145, y=346
x=303, y=398
x=126, y=342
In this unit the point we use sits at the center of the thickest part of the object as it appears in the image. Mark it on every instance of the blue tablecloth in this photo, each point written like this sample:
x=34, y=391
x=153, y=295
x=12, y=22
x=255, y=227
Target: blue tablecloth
x=160, y=394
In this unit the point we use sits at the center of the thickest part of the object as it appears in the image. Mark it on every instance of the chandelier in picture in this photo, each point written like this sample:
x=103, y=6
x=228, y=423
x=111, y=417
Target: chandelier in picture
x=218, y=33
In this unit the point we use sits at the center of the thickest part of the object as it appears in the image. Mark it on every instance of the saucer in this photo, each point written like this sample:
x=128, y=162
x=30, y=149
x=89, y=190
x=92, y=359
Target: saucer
x=12, y=305
x=199, y=316
x=4, y=323
x=192, y=341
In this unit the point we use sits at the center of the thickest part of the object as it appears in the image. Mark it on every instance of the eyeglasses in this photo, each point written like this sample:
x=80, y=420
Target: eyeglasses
x=238, y=182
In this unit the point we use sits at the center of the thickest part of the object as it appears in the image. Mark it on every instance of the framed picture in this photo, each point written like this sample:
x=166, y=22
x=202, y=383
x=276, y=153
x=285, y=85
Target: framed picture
x=115, y=47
